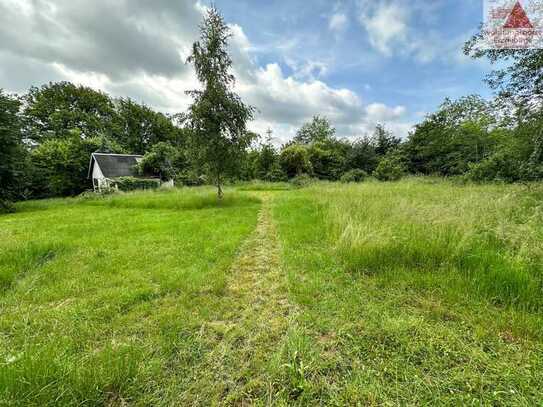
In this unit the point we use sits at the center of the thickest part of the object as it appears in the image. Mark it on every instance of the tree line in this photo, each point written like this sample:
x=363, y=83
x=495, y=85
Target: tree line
x=48, y=134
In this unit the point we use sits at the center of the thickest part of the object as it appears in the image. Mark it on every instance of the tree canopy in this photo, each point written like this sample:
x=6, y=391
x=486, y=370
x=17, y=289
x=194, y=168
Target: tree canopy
x=218, y=117
x=318, y=129
x=11, y=149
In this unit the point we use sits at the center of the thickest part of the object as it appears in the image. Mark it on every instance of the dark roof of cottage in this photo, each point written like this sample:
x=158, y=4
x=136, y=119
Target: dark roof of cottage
x=115, y=165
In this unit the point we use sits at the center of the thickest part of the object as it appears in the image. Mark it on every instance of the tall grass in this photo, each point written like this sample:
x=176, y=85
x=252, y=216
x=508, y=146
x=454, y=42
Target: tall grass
x=183, y=198
x=177, y=199
x=419, y=292
x=481, y=240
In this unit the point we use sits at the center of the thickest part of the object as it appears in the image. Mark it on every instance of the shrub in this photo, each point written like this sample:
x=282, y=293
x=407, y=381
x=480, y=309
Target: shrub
x=132, y=184
x=191, y=178
x=504, y=166
x=295, y=161
x=326, y=160
x=6, y=206
x=390, y=168
x=355, y=175
x=302, y=180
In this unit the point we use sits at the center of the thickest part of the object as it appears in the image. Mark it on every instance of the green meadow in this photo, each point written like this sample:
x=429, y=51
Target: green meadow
x=418, y=292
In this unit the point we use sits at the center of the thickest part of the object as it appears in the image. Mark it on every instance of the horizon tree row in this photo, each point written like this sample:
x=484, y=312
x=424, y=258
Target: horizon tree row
x=48, y=134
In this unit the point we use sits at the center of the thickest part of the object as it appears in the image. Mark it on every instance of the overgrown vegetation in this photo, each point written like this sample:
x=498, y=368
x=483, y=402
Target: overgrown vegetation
x=421, y=291
x=133, y=184
x=12, y=151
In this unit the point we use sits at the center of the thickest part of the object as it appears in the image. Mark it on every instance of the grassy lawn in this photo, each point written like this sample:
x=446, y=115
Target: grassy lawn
x=102, y=301
x=416, y=292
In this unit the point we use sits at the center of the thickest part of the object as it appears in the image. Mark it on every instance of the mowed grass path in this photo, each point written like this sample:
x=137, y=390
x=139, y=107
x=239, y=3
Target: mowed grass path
x=417, y=292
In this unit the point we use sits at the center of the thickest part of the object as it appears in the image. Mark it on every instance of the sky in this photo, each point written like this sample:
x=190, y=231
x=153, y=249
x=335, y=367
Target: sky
x=357, y=62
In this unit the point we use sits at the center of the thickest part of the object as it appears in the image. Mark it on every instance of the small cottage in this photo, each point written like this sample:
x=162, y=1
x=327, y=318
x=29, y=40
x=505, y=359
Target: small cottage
x=105, y=168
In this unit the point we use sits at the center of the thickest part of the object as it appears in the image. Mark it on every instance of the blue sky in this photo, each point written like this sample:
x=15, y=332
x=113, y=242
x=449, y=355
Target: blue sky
x=395, y=70
x=358, y=62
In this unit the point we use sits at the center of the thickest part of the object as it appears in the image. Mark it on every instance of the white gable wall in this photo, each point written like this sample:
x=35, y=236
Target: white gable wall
x=98, y=179
x=97, y=172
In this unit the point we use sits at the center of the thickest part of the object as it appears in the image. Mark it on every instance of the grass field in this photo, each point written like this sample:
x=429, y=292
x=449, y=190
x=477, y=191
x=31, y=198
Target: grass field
x=408, y=293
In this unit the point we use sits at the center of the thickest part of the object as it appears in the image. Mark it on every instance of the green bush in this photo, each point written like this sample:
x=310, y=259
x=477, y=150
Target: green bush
x=327, y=160
x=390, y=168
x=355, y=175
x=302, y=180
x=504, y=166
x=191, y=178
x=295, y=161
x=132, y=184
x=6, y=206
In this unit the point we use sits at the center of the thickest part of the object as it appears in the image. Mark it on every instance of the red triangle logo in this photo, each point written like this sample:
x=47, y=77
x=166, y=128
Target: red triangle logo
x=518, y=18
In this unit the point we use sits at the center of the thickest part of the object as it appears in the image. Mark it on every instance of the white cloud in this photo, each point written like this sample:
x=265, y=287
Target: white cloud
x=338, y=22
x=381, y=113
x=289, y=102
x=391, y=31
x=386, y=24
x=307, y=69
x=137, y=49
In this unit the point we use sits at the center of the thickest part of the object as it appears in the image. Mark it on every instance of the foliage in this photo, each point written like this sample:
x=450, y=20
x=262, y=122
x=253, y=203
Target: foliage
x=60, y=166
x=295, y=161
x=267, y=165
x=163, y=160
x=56, y=110
x=390, y=168
x=12, y=153
x=383, y=141
x=362, y=155
x=302, y=180
x=138, y=128
x=498, y=167
x=190, y=177
x=327, y=159
x=217, y=117
x=518, y=80
x=317, y=131
x=356, y=175
x=448, y=141
x=132, y=183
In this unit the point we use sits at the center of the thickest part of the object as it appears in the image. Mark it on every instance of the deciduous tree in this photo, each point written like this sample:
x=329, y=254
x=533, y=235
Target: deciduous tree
x=217, y=117
x=318, y=129
x=55, y=110
x=11, y=149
